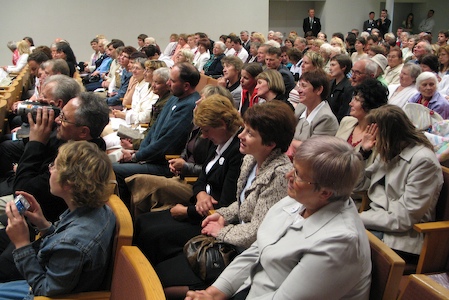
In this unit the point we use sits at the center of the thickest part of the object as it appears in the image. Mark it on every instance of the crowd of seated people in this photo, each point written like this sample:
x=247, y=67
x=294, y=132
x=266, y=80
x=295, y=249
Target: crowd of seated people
x=274, y=98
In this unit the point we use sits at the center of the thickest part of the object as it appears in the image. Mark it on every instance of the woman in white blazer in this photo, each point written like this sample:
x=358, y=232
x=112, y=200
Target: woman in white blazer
x=403, y=183
x=306, y=237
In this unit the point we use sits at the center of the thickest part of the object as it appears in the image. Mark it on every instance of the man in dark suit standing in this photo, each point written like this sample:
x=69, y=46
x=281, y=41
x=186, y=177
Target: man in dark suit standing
x=244, y=37
x=369, y=24
x=383, y=23
x=311, y=23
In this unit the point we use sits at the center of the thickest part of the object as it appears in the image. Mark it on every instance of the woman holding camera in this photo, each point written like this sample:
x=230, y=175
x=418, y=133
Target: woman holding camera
x=73, y=254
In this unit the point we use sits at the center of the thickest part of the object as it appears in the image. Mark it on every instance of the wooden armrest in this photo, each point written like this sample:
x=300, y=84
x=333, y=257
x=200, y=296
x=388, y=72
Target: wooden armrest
x=144, y=125
x=423, y=287
x=172, y=156
x=435, y=249
x=432, y=226
x=80, y=296
x=190, y=180
x=364, y=205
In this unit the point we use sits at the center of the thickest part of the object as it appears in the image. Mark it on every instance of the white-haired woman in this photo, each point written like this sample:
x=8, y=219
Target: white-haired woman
x=429, y=96
x=213, y=66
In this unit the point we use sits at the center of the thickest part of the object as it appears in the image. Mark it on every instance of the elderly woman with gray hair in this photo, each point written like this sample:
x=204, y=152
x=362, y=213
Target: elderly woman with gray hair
x=213, y=66
x=429, y=95
x=399, y=94
x=309, y=234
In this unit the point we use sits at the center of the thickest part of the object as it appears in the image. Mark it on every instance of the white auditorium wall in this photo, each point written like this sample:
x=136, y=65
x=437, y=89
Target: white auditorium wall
x=79, y=21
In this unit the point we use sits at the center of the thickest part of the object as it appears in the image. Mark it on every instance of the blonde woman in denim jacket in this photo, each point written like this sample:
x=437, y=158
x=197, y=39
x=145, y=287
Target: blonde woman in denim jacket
x=73, y=254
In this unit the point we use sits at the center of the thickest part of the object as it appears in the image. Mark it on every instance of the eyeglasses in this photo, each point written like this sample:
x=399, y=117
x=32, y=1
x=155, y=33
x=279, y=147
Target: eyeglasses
x=357, y=73
x=51, y=165
x=357, y=98
x=63, y=119
x=298, y=179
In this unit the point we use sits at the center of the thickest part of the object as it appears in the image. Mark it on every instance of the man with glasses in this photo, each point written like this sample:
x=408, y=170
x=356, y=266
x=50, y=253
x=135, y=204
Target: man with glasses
x=82, y=118
x=361, y=70
x=57, y=90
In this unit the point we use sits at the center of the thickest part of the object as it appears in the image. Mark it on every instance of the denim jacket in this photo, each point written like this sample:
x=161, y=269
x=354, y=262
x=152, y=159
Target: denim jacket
x=73, y=256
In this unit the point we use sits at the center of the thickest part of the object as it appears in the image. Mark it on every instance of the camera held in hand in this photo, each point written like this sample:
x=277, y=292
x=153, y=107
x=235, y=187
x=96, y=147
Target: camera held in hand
x=22, y=204
x=31, y=107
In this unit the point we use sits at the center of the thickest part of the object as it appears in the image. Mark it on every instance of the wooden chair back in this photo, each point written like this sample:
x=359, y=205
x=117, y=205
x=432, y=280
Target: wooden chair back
x=123, y=233
x=387, y=268
x=3, y=111
x=113, y=184
x=434, y=256
x=27, y=80
x=136, y=278
x=421, y=287
x=13, y=90
x=19, y=89
x=205, y=80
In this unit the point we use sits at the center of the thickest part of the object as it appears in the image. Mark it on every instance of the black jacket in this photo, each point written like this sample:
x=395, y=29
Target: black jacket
x=222, y=177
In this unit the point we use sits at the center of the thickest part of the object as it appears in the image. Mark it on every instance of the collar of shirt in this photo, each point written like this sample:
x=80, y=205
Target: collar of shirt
x=313, y=113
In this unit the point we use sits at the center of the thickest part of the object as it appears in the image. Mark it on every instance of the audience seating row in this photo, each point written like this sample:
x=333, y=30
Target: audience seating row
x=134, y=278
x=11, y=94
x=17, y=86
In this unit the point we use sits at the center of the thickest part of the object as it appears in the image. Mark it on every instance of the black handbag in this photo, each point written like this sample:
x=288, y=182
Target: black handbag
x=209, y=257
x=95, y=78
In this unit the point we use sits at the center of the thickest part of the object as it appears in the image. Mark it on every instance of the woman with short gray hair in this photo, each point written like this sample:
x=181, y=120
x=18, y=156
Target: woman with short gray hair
x=213, y=67
x=306, y=235
x=399, y=94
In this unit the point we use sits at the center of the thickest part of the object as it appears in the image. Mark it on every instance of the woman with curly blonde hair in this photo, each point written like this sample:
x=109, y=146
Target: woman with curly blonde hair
x=73, y=254
x=258, y=37
x=184, y=55
x=337, y=42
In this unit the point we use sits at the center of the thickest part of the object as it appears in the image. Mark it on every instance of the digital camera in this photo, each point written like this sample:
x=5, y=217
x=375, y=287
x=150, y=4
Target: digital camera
x=31, y=107
x=22, y=204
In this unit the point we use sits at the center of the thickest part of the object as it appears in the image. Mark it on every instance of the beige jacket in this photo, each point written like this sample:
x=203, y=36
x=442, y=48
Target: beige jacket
x=269, y=186
x=403, y=192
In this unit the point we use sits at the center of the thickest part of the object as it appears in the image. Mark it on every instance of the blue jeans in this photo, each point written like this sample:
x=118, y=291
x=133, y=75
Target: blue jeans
x=123, y=170
x=15, y=290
